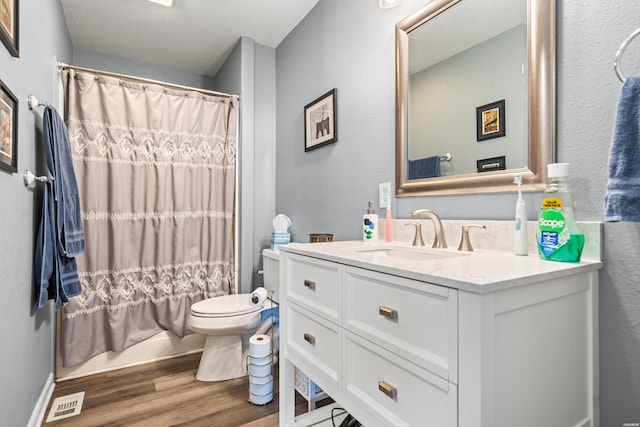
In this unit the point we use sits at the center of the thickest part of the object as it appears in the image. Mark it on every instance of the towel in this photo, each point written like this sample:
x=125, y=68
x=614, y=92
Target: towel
x=429, y=167
x=622, y=198
x=60, y=235
x=58, y=153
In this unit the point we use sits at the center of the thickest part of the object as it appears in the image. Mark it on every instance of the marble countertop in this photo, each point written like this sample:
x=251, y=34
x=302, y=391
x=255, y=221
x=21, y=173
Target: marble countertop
x=480, y=271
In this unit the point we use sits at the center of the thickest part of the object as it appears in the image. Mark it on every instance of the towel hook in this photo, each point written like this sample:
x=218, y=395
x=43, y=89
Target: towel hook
x=35, y=103
x=29, y=178
x=623, y=46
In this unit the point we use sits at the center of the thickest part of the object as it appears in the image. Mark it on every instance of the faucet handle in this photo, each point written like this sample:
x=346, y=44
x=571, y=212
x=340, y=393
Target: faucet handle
x=417, y=239
x=465, y=242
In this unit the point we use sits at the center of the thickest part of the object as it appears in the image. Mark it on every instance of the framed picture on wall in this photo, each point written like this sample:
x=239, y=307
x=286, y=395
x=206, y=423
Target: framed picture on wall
x=320, y=121
x=9, y=22
x=8, y=129
x=490, y=121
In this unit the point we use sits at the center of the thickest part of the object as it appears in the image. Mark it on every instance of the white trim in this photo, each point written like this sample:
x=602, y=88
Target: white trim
x=39, y=410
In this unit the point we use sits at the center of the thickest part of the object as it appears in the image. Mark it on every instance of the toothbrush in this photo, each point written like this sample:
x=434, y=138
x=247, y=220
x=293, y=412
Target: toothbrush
x=521, y=243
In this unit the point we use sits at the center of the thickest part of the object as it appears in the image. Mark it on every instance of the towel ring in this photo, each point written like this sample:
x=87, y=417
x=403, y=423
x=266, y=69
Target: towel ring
x=623, y=46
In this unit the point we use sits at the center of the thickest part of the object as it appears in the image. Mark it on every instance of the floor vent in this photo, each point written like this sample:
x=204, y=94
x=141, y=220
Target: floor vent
x=66, y=406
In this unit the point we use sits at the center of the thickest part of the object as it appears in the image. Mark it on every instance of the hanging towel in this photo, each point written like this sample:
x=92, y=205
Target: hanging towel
x=622, y=198
x=58, y=153
x=60, y=235
x=429, y=167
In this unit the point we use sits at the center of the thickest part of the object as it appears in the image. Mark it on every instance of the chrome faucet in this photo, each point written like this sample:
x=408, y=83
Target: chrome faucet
x=439, y=240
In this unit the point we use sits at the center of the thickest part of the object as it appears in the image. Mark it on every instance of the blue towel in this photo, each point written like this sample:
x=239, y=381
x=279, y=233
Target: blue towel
x=429, y=167
x=58, y=151
x=60, y=235
x=622, y=199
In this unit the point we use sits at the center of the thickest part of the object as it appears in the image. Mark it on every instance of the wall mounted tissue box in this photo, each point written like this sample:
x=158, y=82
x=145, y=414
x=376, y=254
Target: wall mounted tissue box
x=279, y=239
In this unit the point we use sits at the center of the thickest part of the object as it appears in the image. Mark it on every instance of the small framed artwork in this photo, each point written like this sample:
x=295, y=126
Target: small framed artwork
x=320, y=121
x=8, y=129
x=491, y=164
x=9, y=22
x=490, y=121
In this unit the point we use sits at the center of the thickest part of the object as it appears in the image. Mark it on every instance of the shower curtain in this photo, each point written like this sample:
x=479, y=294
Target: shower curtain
x=156, y=176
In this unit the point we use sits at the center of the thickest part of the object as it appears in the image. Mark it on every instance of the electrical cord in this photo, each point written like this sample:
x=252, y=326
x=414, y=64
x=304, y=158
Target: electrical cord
x=333, y=421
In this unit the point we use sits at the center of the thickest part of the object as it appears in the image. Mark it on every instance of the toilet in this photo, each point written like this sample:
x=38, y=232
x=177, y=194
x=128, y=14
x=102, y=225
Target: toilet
x=227, y=322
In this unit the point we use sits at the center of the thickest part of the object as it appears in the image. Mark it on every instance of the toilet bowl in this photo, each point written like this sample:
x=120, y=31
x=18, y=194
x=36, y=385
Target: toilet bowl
x=227, y=322
x=224, y=321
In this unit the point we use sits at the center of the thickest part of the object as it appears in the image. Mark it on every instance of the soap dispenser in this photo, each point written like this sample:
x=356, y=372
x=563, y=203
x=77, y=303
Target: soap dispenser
x=370, y=225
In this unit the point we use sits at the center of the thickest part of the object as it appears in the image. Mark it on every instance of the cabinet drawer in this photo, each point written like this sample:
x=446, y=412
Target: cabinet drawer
x=416, y=320
x=313, y=284
x=316, y=341
x=394, y=391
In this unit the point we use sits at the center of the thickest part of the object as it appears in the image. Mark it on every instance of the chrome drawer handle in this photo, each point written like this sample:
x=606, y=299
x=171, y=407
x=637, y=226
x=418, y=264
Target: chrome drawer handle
x=387, y=389
x=310, y=284
x=310, y=339
x=389, y=313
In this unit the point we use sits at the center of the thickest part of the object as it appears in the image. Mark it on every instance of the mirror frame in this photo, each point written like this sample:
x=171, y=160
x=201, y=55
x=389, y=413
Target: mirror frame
x=541, y=41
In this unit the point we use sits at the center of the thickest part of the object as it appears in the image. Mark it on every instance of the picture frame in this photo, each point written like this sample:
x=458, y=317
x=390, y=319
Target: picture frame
x=9, y=25
x=8, y=129
x=490, y=121
x=491, y=164
x=320, y=121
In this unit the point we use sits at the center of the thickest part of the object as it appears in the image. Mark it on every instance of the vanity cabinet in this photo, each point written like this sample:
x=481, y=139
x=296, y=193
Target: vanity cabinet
x=396, y=351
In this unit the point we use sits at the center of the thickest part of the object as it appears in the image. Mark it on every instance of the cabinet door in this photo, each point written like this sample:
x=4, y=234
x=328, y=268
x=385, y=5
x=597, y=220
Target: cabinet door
x=395, y=392
x=415, y=320
x=313, y=284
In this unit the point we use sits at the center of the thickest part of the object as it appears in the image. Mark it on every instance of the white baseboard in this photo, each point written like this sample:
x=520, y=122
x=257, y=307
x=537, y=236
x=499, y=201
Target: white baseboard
x=39, y=410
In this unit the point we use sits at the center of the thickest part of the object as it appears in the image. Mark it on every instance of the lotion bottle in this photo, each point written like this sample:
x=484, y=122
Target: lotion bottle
x=521, y=242
x=370, y=225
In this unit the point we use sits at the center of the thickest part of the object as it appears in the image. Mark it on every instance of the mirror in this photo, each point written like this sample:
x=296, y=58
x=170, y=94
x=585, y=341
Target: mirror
x=475, y=96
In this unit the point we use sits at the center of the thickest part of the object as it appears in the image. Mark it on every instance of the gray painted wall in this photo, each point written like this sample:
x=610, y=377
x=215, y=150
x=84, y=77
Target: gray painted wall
x=350, y=46
x=26, y=333
x=250, y=71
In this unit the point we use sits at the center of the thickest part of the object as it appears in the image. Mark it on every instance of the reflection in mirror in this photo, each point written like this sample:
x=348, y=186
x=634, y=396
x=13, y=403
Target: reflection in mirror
x=474, y=96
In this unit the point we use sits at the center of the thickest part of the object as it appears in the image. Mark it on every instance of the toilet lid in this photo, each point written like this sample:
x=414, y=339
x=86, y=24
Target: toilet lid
x=227, y=305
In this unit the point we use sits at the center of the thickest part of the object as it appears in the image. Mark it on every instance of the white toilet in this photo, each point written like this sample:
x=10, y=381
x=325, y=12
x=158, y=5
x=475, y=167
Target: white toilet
x=227, y=322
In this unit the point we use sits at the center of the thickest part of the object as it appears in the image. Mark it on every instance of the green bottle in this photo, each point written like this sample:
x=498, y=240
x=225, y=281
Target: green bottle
x=558, y=235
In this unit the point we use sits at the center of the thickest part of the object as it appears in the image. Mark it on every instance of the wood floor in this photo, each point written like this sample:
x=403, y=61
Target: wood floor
x=166, y=393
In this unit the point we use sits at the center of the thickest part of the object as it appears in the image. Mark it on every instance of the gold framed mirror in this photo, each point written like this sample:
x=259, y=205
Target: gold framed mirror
x=537, y=137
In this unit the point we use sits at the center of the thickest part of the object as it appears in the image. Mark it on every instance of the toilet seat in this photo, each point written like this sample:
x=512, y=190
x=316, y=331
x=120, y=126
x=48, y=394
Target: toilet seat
x=224, y=306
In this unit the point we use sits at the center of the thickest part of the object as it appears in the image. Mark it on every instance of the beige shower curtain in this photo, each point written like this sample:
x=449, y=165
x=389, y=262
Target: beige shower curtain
x=156, y=177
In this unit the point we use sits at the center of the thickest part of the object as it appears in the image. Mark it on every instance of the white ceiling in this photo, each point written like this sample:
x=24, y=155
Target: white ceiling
x=194, y=35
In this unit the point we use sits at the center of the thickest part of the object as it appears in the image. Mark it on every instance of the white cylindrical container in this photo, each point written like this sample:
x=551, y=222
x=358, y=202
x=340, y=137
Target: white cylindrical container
x=259, y=371
x=258, y=297
x=259, y=346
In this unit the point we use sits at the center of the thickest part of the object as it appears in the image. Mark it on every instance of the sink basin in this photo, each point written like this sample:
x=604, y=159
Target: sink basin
x=402, y=253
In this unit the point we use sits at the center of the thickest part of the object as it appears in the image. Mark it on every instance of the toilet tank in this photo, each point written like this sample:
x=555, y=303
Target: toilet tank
x=271, y=272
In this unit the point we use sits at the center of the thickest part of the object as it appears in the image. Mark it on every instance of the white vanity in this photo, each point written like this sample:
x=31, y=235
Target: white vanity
x=403, y=336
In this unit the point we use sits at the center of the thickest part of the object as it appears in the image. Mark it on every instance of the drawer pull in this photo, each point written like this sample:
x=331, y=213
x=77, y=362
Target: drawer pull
x=310, y=339
x=310, y=284
x=389, y=313
x=387, y=389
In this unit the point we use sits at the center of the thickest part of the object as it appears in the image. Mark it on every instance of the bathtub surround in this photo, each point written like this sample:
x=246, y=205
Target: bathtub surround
x=164, y=239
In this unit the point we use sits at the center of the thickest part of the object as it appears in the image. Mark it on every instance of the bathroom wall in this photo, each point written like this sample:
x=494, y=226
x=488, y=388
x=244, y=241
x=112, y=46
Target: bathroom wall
x=26, y=334
x=250, y=71
x=350, y=46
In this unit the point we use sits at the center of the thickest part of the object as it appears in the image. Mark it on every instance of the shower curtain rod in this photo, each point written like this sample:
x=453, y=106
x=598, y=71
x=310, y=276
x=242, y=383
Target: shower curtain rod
x=64, y=65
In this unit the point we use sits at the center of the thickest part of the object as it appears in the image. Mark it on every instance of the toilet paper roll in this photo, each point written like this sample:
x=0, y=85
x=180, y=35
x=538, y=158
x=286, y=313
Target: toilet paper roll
x=258, y=297
x=259, y=346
